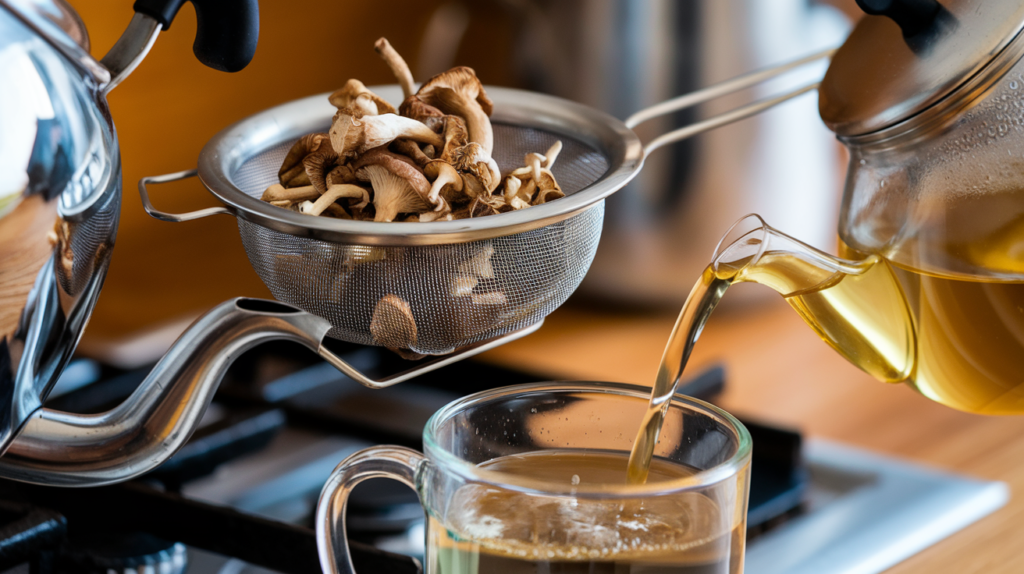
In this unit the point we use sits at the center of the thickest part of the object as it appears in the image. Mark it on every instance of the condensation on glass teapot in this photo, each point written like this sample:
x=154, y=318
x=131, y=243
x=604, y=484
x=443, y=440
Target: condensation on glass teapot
x=935, y=127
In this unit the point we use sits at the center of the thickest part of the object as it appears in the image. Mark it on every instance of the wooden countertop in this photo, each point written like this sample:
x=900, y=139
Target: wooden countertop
x=779, y=371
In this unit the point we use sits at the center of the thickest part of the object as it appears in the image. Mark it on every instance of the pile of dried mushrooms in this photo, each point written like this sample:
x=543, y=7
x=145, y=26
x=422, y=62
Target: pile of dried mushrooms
x=429, y=160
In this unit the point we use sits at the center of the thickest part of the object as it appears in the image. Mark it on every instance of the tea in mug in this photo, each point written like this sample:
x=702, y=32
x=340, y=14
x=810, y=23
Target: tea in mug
x=491, y=530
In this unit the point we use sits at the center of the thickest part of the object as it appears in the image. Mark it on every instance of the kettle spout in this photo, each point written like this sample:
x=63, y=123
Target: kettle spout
x=65, y=449
x=856, y=306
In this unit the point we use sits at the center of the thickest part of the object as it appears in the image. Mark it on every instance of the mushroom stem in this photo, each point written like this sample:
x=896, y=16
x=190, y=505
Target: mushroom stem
x=409, y=149
x=278, y=192
x=445, y=175
x=534, y=162
x=336, y=192
x=552, y=154
x=398, y=66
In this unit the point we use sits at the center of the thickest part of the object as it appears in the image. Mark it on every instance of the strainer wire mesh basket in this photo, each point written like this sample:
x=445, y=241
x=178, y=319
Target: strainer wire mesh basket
x=465, y=281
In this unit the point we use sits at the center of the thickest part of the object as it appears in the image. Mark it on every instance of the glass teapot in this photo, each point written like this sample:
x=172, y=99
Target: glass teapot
x=929, y=100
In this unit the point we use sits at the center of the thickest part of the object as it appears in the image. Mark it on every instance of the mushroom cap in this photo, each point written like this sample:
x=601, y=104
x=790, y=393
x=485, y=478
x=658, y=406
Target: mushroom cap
x=392, y=324
x=459, y=92
x=318, y=165
x=341, y=174
x=395, y=163
x=292, y=164
x=352, y=133
x=392, y=194
x=415, y=108
x=355, y=94
x=461, y=79
x=397, y=186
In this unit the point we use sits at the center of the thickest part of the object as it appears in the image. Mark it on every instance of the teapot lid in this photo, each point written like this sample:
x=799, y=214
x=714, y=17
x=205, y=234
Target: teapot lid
x=890, y=69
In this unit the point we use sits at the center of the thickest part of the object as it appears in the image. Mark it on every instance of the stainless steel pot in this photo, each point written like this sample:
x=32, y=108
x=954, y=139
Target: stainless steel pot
x=620, y=56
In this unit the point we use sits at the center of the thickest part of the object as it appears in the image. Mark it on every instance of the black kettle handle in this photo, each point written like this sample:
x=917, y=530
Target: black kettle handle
x=912, y=16
x=226, y=30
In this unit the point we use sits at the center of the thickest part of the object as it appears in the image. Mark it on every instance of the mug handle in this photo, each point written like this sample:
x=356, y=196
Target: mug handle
x=397, y=462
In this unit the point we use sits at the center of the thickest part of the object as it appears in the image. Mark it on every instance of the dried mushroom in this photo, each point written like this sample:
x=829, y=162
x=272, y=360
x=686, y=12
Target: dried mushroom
x=292, y=172
x=278, y=192
x=470, y=274
x=317, y=165
x=534, y=183
x=355, y=95
x=483, y=175
x=353, y=134
x=392, y=324
x=397, y=186
x=447, y=183
x=430, y=161
x=417, y=109
x=336, y=192
x=397, y=64
x=459, y=92
x=411, y=150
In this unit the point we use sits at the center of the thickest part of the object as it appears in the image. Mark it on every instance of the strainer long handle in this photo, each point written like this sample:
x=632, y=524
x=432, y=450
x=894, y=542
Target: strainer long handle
x=718, y=90
x=173, y=217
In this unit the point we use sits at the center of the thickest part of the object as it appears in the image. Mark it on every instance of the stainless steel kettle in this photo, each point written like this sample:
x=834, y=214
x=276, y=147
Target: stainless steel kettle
x=60, y=186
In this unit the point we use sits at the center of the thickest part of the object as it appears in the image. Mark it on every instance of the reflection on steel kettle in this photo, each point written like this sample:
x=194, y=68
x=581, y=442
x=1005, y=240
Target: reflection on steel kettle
x=621, y=56
x=60, y=186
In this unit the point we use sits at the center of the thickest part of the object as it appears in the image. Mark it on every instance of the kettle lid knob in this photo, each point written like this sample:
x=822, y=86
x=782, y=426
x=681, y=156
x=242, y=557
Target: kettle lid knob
x=907, y=57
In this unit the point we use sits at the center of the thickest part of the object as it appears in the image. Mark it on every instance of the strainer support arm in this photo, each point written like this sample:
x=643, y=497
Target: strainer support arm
x=431, y=365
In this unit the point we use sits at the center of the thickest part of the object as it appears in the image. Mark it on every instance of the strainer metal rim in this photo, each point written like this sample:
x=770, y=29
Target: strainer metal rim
x=232, y=146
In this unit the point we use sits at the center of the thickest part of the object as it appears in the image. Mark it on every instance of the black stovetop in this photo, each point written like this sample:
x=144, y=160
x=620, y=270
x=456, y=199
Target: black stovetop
x=243, y=487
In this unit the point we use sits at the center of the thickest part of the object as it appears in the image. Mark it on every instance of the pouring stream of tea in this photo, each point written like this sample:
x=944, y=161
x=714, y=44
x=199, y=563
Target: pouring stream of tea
x=698, y=307
x=857, y=307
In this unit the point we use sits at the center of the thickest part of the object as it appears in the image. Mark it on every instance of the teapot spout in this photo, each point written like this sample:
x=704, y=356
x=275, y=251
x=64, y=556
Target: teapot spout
x=64, y=449
x=856, y=306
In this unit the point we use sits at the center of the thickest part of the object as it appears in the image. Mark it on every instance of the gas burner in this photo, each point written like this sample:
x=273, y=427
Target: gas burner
x=114, y=553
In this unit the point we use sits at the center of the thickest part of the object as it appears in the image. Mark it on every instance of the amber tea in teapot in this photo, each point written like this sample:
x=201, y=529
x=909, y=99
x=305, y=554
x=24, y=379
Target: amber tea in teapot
x=957, y=340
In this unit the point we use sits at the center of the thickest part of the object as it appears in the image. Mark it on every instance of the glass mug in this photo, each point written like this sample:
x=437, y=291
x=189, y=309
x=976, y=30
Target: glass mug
x=532, y=478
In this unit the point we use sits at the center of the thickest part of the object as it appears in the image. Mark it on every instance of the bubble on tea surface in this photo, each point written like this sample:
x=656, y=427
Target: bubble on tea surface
x=514, y=523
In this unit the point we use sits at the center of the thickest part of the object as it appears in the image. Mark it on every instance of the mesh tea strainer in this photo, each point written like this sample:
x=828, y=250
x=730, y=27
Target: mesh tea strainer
x=522, y=265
